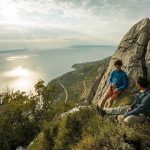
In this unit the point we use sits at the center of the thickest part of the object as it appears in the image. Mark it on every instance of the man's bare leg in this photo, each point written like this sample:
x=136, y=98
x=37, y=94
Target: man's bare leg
x=108, y=94
x=114, y=96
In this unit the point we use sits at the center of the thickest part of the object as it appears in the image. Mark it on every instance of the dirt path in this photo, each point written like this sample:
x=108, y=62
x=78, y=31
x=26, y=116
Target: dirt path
x=66, y=92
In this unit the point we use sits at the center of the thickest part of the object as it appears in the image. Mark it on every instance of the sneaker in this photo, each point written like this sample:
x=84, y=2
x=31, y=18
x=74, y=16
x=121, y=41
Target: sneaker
x=101, y=111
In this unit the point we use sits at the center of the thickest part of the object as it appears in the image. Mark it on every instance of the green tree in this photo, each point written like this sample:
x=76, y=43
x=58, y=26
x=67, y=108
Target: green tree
x=17, y=115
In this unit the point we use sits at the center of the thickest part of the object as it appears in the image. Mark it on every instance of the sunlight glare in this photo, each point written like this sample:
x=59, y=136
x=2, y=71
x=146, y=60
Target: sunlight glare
x=21, y=78
x=16, y=58
x=10, y=12
x=18, y=72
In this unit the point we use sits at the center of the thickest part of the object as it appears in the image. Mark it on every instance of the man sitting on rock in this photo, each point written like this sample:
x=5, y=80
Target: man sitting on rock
x=137, y=112
x=118, y=82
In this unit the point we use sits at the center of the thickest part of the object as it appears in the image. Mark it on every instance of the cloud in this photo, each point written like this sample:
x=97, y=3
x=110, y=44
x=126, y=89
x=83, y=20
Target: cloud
x=69, y=21
x=98, y=8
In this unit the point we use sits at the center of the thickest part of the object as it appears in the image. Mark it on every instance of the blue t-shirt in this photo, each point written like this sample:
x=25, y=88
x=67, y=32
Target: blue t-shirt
x=119, y=78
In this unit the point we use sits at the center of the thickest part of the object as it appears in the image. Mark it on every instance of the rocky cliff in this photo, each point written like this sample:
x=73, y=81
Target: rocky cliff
x=134, y=51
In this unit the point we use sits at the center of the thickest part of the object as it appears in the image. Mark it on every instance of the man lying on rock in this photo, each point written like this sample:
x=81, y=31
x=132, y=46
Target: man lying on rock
x=118, y=82
x=140, y=108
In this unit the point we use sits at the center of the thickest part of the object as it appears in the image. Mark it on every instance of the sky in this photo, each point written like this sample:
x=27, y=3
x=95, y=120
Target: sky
x=45, y=24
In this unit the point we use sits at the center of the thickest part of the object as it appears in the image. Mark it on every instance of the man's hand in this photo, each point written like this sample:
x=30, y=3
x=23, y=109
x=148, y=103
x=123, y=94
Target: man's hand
x=129, y=109
x=114, y=85
x=121, y=118
x=116, y=90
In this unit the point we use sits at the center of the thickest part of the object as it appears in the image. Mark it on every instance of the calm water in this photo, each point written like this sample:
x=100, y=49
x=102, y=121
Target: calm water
x=21, y=69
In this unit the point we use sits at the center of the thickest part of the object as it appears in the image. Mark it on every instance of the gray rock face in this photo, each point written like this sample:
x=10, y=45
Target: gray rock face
x=147, y=60
x=73, y=110
x=95, y=85
x=134, y=52
x=91, y=93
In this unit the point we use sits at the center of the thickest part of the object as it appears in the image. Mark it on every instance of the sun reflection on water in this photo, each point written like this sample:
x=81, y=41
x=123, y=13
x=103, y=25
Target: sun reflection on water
x=20, y=78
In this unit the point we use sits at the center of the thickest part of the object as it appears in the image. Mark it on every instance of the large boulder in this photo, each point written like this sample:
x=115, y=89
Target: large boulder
x=134, y=52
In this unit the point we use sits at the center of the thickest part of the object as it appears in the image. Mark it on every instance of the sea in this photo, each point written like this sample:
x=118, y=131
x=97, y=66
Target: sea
x=20, y=69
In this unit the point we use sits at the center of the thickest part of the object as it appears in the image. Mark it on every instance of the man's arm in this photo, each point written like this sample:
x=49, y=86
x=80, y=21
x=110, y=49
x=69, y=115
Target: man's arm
x=135, y=101
x=143, y=107
x=110, y=78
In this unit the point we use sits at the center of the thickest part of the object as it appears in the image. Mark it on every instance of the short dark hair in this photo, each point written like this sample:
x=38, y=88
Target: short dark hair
x=118, y=62
x=142, y=81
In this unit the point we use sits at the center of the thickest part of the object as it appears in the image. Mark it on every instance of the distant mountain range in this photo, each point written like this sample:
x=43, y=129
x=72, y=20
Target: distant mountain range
x=13, y=51
x=85, y=46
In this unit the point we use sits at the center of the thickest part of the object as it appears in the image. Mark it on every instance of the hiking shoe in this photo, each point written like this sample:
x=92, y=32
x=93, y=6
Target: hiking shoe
x=101, y=111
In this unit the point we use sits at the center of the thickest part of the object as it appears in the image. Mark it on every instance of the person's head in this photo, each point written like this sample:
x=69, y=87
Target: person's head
x=118, y=64
x=142, y=83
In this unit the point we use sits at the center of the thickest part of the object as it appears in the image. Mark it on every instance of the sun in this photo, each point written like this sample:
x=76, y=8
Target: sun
x=10, y=14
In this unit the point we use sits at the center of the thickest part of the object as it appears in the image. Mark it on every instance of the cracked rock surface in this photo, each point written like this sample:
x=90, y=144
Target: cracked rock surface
x=134, y=51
